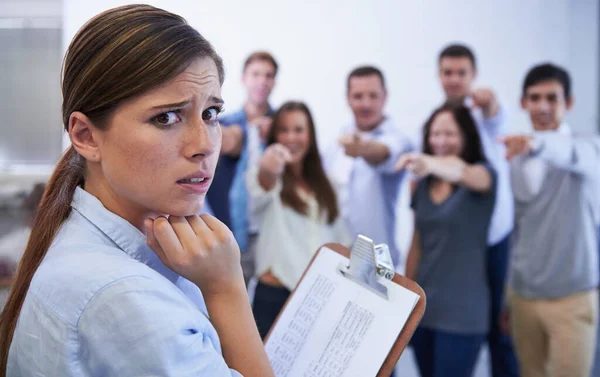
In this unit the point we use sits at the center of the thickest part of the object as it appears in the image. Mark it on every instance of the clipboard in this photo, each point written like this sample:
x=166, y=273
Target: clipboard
x=366, y=265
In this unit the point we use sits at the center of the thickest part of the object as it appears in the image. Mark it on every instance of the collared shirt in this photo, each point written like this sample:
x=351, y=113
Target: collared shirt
x=102, y=304
x=228, y=196
x=535, y=168
x=369, y=193
x=555, y=250
x=489, y=130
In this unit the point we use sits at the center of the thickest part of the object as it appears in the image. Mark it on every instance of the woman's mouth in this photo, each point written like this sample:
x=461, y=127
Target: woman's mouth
x=195, y=185
x=192, y=180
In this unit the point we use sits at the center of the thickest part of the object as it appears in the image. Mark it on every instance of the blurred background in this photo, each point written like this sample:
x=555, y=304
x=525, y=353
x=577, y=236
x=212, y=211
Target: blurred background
x=316, y=44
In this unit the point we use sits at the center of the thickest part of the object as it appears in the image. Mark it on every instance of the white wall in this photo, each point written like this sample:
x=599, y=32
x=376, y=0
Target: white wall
x=584, y=45
x=30, y=8
x=318, y=42
x=29, y=140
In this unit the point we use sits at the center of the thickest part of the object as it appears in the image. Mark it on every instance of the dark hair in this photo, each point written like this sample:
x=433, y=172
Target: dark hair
x=548, y=72
x=261, y=56
x=365, y=71
x=458, y=51
x=117, y=55
x=472, y=149
x=312, y=170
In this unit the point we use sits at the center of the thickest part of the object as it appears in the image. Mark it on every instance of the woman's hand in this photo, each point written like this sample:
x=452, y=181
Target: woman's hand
x=199, y=248
x=417, y=163
x=274, y=159
x=202, y=249
x=448, y=168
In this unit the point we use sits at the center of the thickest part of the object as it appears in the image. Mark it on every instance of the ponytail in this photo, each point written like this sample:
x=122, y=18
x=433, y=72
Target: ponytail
x=54, y=209
x=105, y=65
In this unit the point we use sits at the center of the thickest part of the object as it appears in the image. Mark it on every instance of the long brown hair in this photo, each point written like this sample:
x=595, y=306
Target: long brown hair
x=312, y=169
x=119, y=54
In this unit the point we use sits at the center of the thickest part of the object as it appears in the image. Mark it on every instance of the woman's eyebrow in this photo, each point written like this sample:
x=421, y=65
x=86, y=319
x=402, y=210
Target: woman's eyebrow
x=172, y=105
x=217, y=100
x=213, y=99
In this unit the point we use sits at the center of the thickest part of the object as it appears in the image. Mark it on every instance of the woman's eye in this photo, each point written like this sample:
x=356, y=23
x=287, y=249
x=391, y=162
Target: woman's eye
x=211, y=114
x=167, y=119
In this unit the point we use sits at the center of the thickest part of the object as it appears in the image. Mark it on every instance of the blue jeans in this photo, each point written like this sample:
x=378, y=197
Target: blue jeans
x=268, y=302
x=443, y=354
x=502, y=355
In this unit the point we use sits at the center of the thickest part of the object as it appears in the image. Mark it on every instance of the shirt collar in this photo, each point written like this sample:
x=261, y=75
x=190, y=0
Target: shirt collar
x=120, y=231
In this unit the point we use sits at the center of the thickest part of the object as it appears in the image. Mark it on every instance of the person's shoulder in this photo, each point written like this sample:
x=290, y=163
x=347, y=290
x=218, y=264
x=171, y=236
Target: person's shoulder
x=75, y=270
x=389, y=128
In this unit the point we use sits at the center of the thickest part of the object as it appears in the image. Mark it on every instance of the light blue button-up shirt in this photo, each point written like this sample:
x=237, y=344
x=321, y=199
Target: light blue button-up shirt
x=102, y=304
x=504, y=212
x=369, y=193
x=235, y=213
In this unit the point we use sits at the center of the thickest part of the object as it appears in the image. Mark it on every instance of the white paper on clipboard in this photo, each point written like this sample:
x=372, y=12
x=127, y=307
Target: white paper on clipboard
x=334, y=327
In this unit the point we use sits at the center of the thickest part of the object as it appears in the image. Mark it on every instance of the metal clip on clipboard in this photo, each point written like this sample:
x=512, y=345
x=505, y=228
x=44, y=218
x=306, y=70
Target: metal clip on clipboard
x=368, y=264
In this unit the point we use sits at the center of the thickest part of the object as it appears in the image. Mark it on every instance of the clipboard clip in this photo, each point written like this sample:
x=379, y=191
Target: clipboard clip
x=368, y=264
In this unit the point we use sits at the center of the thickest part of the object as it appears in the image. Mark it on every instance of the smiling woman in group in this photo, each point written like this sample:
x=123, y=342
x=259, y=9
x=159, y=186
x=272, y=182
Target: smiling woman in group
x=453, y=203
x=296, y=206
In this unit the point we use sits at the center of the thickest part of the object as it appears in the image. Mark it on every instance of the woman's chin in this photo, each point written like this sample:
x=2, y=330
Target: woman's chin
x=445, y=154
x=186, y=208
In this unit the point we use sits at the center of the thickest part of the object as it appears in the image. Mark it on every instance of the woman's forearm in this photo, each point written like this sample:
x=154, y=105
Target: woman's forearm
x=266, y=180
x=243, y=350
x=452, y=169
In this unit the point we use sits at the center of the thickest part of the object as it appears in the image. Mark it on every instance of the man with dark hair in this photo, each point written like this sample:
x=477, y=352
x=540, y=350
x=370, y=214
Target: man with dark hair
x=457, y=74
x=553, y=301
x=549, y=73
x=365, y=71
x=362, y=161
x=458, y=51
x=227, y=197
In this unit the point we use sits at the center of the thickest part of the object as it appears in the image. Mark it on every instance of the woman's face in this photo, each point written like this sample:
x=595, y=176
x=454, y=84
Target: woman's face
x=445, y=138
x=293, y=132
x=159, y=152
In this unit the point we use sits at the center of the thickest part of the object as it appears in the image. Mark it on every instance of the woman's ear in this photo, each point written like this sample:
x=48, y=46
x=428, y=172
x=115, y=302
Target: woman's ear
x=84, y=136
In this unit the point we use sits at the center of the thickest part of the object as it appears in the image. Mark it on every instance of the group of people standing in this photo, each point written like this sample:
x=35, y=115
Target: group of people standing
x=122, y=276
x=505, y=239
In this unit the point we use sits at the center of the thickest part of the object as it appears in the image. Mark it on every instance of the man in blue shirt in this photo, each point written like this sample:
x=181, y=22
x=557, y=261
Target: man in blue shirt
x=227, y=196
x=361, y=162
x=457, y=73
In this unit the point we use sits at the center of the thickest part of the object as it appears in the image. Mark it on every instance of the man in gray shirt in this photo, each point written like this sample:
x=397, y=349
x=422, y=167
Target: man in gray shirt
x=554, y=266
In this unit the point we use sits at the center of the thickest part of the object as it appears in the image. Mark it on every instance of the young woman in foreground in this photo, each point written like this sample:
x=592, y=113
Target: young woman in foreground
x=141, y=98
